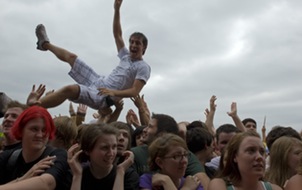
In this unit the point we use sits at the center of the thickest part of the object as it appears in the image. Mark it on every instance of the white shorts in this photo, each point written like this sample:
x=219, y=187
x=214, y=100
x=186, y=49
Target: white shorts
x=89, y=82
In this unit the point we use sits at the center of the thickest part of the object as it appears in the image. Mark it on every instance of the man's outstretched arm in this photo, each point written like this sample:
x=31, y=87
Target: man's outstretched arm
x=117, y=29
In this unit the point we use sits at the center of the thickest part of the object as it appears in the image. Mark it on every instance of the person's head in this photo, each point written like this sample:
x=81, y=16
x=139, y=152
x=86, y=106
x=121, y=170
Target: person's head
x=200, y=142
x=279, y=131
x=66, y=132
x=137, y=136
x=244, y=157
x=4, y=100
x=250, y=124
x=34, y=127
x=169, y=155
x=80, y=131
x=285, y=155
x=299, y=169
x=99, y=144
x=138, y=44
x=11, y=113
x=224, y=134
x=195, y=124
x=158, y=124
x=124, y=136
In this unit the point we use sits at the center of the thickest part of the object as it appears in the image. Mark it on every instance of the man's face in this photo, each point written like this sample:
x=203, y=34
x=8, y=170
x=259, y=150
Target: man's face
x=250, y=126
x=136, y=48
x=224, y=139
x=122, y=141
x=9, y=119
x=150, y=131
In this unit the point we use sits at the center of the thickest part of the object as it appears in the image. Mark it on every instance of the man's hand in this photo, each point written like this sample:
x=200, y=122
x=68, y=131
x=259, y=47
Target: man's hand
x=106, y=91
x=82, y=109
x=233, y=111
x=117, y=4
x=35, y=95
x=73, y=159
x=132, y=118
x=119, y=104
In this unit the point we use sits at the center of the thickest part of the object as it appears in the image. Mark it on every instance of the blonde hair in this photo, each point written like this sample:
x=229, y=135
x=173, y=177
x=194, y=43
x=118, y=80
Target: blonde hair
x=279, y=172
x=66, y=130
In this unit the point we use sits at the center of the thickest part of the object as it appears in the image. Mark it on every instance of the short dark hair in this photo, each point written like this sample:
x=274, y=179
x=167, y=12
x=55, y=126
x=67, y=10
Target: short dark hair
x=15, y=104
x=226, y=128
x=138, y=131
x=198, y=138
x=143, y=37
x=246, y=120
x=195, y=124
x=165, y=123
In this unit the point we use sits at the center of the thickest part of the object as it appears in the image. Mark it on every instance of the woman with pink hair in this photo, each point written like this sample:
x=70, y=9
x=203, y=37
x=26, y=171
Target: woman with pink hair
x=35, y=165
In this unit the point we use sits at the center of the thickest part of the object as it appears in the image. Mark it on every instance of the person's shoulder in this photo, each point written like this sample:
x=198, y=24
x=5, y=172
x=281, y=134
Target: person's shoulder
x=295, y=182
x=217, y=183
x=275, y=187
x=139, y=149
x=50, y=150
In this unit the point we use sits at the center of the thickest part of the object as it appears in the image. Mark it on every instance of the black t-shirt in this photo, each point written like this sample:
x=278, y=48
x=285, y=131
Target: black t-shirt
x=13, y=146
x=60, y=170
x=89, y=182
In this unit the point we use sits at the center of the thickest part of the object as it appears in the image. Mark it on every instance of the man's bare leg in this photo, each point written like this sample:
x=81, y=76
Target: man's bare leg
x=56, y=98
x=44, y=45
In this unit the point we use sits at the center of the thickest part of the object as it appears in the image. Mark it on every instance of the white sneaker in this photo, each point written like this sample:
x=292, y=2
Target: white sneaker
x=42, y=37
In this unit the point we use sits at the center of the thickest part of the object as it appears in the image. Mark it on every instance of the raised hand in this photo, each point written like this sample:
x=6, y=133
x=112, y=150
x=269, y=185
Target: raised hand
x=82, y=109
x=132, y=118
x=35, y=95
x=212, y=103
x=128, y=161
x=119, y=105
x=233, y=111
x=71, y=110
x=73, y=159
x=117, y=4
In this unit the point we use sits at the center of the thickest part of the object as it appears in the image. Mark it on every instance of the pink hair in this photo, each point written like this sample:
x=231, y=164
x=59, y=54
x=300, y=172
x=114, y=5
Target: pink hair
x=31, y=113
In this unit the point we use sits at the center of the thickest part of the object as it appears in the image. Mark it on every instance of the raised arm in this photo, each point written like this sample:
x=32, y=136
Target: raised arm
x=119, y=105
x=210, y=115
x=117, y=29
x=143, y=110
x=130, y=92
x=233, y=114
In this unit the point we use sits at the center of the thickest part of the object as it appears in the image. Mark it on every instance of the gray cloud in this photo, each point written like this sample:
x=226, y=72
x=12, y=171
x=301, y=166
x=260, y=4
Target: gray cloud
x=243, y=51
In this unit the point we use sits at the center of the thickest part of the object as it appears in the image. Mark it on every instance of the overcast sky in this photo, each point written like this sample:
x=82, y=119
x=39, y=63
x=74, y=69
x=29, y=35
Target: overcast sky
x=243, y=51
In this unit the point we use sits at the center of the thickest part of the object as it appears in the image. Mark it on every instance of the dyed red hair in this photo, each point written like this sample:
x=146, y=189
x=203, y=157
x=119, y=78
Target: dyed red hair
x=31, y=113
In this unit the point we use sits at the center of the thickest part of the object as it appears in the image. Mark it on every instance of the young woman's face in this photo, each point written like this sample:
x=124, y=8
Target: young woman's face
x=174, y=163
x=139, y=139
x=104, y=151
x=294, y=158
x=34, y=134
x=251, y=157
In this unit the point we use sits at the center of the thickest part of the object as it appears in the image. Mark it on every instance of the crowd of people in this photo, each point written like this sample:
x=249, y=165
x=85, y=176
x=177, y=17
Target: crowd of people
x=144, y=150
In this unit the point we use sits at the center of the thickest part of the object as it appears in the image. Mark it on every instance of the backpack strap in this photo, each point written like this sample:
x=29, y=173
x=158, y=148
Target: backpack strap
x=12, y=160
